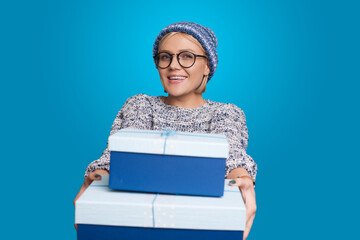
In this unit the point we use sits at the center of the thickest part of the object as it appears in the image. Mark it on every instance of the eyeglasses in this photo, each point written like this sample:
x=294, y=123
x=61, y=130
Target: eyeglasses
x=185, y=59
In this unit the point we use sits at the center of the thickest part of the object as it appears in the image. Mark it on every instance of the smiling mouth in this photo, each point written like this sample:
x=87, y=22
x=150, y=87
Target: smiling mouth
x=177, y=78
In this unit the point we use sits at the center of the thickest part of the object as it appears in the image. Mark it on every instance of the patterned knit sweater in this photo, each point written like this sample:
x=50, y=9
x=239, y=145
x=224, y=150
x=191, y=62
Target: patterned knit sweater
x=150, y=112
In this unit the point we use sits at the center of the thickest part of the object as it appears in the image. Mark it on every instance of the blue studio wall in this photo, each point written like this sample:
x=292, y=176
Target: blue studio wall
x=67, y=67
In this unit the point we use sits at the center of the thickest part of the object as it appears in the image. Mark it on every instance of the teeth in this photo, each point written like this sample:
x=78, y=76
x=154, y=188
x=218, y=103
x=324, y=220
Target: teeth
x=177, y=78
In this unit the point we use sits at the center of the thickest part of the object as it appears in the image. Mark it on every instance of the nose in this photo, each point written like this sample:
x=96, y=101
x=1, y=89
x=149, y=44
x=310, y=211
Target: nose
x=174, y=63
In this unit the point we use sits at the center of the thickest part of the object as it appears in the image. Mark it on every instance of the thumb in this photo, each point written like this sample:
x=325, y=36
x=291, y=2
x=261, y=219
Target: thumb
x=94, y=176
x=240, y=182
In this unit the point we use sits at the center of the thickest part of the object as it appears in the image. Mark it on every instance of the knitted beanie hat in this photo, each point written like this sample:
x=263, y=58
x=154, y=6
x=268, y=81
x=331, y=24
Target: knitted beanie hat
x=204, y=35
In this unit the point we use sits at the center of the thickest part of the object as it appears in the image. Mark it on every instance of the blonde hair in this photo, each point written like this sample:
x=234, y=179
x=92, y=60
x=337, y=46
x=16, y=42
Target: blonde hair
x=202, y=86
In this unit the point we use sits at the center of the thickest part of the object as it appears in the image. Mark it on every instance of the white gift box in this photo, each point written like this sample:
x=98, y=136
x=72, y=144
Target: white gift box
x=101, y=210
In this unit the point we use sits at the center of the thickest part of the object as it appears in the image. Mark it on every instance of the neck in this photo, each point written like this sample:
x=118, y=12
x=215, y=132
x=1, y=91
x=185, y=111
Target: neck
x=192, y=101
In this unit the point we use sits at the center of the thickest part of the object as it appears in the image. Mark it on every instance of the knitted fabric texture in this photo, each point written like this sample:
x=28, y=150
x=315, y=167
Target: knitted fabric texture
x=204, y=35
x=149, y=112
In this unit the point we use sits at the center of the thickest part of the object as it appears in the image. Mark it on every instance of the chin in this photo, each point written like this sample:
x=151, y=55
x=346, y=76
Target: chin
x=175, y=94
x=179, y=91
x=173, y=91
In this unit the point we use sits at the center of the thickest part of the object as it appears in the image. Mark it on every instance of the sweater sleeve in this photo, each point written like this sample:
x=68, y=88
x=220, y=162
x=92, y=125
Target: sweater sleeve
x=133, y=114
x=232, y=123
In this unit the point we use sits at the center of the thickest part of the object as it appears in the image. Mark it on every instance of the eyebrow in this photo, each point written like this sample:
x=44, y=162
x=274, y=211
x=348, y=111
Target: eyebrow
x=180, y=50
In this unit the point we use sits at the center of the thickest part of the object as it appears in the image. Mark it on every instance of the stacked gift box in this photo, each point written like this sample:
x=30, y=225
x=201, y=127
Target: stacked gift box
x=162, y=185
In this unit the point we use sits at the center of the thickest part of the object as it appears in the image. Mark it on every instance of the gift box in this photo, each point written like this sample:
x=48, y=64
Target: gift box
x=168, y=162
x=102, y=213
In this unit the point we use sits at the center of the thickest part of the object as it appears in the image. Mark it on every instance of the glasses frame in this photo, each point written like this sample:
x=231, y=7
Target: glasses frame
x=178, y=59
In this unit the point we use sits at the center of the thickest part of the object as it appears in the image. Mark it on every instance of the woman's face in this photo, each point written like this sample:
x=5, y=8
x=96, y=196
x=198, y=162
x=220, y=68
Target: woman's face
x=190, y=77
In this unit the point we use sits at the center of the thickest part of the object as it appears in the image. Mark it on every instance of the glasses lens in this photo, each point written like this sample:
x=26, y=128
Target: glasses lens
x=186, y=59
x=163, y=60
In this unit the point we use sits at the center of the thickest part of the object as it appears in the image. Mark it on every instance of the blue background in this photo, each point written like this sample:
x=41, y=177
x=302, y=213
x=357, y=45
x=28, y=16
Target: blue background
x=67, y=67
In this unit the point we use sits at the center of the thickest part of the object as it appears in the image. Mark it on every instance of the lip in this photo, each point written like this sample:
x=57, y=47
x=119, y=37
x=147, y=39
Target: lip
x=176, y=75
x=177, y=80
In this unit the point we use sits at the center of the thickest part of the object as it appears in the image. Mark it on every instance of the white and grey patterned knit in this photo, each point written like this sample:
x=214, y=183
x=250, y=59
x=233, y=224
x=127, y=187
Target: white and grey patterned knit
x=150, y=112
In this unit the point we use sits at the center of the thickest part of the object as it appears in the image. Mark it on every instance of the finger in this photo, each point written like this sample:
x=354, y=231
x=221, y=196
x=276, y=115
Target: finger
x=89, y=179
x=75, y=226
x=241, y=182
x=250, y=211
x=82, y=189
x=248, y=226
x=234, y=182
x=94, y=176
x=250, y=205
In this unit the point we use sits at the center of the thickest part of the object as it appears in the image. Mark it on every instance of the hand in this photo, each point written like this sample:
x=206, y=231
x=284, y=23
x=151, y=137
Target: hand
x=95, y=175
x=248, y=193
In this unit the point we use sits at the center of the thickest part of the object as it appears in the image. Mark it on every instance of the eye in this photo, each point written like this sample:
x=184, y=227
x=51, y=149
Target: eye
x=164, y=57
x=186, y=59
x=187, y=56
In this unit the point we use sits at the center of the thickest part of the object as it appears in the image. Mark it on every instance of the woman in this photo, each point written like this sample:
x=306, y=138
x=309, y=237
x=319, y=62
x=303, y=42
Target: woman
x=186, y=58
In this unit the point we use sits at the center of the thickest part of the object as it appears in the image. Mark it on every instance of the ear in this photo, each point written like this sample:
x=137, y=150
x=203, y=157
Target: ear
x=207, y=70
